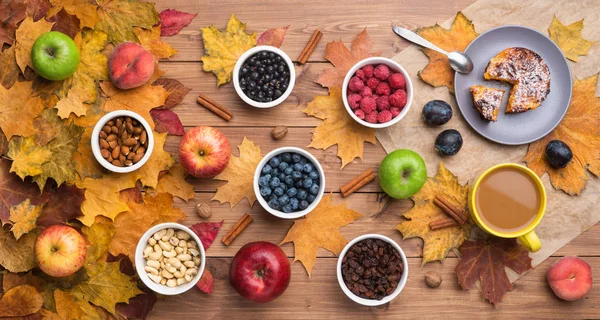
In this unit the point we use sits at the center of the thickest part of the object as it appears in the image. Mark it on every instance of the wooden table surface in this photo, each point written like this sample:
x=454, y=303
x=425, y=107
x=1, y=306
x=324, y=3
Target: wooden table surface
x=320, y=297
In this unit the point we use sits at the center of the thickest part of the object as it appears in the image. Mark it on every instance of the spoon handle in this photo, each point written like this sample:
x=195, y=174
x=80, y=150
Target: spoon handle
x=415, y=38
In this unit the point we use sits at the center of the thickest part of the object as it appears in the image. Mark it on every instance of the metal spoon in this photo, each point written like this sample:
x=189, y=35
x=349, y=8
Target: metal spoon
x=459, y=61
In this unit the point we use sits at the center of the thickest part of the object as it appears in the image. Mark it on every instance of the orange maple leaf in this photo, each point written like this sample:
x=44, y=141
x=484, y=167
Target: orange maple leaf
x=140, y=100
x=18, y=109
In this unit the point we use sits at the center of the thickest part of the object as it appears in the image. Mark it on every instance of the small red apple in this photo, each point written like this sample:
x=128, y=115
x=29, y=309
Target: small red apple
x=260, y=271
x=570, y=278
x=204, y=152
x=60, y=250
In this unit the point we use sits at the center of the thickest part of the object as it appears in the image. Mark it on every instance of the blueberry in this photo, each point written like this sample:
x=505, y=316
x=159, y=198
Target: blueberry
x=310, y=198
x=274, y=162
x=314, y=189
x=296, y=175
x=298, y=184
x=265, y=191
x=301, y=194
x=287, y=157
x=274, y=182
x=303, y=160
x=289, y=181
x=275, y=172
x=296, y=158
x=272, y=196
x=306, y=183
x=283, y=166
x=278, y=191
x=294, y=202
x=267, y=169
x=273, y=204
x=303, y=205
x=263, y=181
x=283, y=187
x=281, y=176
x=307, y=168
x=283, y=200
x=298, y=167
x=291, y=192
x=287, y=208
x=313, y=175
x=288, y=171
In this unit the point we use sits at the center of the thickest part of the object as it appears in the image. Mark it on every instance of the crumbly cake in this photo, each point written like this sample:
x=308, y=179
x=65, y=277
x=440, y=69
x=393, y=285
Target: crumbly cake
x=528, y=73
x=487, y=101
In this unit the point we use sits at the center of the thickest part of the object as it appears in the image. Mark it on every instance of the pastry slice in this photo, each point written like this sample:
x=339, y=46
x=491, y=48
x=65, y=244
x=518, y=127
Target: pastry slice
x=487, y=101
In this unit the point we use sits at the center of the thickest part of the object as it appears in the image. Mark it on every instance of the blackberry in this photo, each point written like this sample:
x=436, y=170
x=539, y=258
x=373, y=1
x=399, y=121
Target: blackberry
x=264, y=77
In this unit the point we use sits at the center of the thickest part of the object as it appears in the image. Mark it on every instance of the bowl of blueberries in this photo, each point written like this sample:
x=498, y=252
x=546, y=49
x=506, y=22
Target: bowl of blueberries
x=289, y=182
x=264, y=76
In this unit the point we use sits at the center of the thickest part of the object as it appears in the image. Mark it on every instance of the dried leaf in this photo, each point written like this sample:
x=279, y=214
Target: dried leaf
x=26, y=35
x=223, y=48
x=239, y=175
x=9, y=70
x=569, y=38
x=163, y=203
x=436, y=244
x=83, y=9
x=86, y=165
x=27, y=156
x=485, y=260
x=37, y=9
x=20, y=302
x=10, y=16
x=338, y=127
x=205, y=284
x=319, y=229
x=64, y=204
x=139, y=306
x=206, y=231
x=438, y=72
x=172, y=21
x=160, y=160
x=3, y=144
x=100, y=200
x=65, y=23
x=18, y=109
x=272, y=37
x=579, y=130
x=13, y=191
x=176, y=90
x=118, y=17
x=16, y=256
x=150, y=40
x=140, y=100
x=98, y=237
x=11, y=280
x=125, y=265
x=343, y=59
x=24, y=216
x=67, y=307
x=167, y=121
x=173, y=182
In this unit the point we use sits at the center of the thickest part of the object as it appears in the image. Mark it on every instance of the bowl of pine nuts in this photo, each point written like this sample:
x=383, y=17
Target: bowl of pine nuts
x=170, y=258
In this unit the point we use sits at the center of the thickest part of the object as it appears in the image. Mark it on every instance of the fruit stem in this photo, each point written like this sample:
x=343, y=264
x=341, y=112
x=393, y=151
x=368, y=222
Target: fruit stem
x=50, y=52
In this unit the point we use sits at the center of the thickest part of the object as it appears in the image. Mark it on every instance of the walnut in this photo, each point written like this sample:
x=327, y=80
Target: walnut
x=433, y=279
x=203, y=210
x=279, y=132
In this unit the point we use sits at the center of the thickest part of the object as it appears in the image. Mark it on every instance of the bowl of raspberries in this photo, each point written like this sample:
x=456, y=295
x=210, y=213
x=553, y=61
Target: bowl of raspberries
x=289, y=182
x=377, y=92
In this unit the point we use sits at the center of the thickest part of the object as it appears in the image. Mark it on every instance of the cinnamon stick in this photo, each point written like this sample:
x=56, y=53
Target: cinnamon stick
x=454, y=212
x=240, y=226
x=368, y=174
x=214, y=107
x=442, y=223
x=310, y=46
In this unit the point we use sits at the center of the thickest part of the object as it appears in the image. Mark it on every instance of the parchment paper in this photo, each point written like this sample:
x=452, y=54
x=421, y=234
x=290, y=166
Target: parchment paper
x=566, y=216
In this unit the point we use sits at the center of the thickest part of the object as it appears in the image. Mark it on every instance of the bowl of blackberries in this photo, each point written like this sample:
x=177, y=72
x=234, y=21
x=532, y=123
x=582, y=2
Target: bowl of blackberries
x=372, y=270
x=289, y=182
x=264, y=76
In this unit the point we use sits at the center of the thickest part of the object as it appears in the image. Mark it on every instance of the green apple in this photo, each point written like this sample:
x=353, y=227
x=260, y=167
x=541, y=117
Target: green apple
x=55, y=56
x=402, y=173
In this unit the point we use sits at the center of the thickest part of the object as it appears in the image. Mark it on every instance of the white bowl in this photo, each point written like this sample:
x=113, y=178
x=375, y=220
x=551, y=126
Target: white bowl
x=394, y=66
x=372, y=302
x=281, y=214
x=96, y=140
x=236, y=76
x=140, y=261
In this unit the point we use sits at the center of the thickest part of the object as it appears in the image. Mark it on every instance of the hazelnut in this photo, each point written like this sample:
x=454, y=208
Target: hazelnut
x=203, y=210
x=279, y=132
x=433, y=279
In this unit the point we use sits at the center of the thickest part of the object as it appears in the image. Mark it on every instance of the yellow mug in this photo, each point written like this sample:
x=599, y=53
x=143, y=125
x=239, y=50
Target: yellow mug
x=526, y=236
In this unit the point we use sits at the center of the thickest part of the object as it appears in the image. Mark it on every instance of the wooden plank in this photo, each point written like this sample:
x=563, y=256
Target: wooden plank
x=320, y=297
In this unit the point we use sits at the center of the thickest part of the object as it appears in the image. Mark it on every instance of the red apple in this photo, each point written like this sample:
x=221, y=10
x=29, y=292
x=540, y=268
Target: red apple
x=260, y=271
x=204, y=152
x=60, y=250
x=570, y=278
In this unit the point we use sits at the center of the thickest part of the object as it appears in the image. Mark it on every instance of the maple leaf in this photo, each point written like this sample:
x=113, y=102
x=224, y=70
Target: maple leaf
x=150, y=40
x=12, y=280
x=27, y=156
x=9, y=70
x=223, y=48
x=173, y=182
x=159, y=160
x=26, y=35
x=172, y=21
x=569, y=38
x=83, y=158
x=101, y=199
x=20, y=302
x=18, y=109
x=344, y=59
x=167, y=121
x=436, y=243
x=272, y=37
x=65, y=23
x=579, y=130
x=13, y=191
x=338, y=127
x=438, y=71
x=64, y=204
x=205, y=284
x=118, y=17
x=139, y=100
x=3, y=144
x=485, y=260
x=139, y=306
x=83, y=9
x=37, y=9
x=207, y=232
x=106, y=286
x=239, y=175
x=176, y=90
x=67, y=307
x=98, y=237
x=319, y=229
x=16, y=255
x=163, y=203
x=10, y=16
x=24, y=216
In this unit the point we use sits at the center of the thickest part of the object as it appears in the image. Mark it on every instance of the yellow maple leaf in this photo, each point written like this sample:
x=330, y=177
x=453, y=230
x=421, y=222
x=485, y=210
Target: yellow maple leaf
x=239, y=175
x=98, y=236
x=24, y=216
x=438, y=71
x=319, y=229
x=101, y=199
x=150, y=40
x=159, y=160
x=83, y=158
x=223, y=48
x=83, y=9
x=163, y=202
x=67, y=307
x=20, y=301
x=173, y=182
x=338, y=127
x=27, y=156
x=436, y=244
x=118, y=17
x=17, y=255
x=26, y=35
x=569, y=38
x=139, y=100
x=9, y=70
x=579, y=130
x=18, y=108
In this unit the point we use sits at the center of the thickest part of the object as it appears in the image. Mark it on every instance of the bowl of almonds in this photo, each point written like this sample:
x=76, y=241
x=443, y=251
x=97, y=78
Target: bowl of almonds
x=170, y=258
x=122, y=141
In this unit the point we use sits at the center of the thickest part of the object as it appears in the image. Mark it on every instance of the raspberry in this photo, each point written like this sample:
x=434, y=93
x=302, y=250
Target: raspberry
x=384, y=116
x=366, y=92
x=368, y=104
x=360, y=114
x=397, y=81
x=382, y=72
x=355, y=84
x=371, y=117
x=360, y=74
x=372, y=83
x=383, y=89
x=395, y=111
x=398, y=99
x=383, y=103
x=354, y=100
x=368, y=70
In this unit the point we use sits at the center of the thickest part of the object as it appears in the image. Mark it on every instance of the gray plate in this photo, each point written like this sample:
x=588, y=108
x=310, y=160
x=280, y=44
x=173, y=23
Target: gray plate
x=519, y=128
